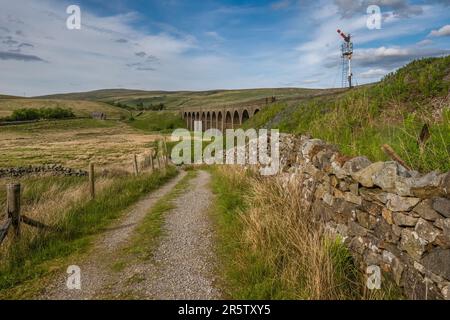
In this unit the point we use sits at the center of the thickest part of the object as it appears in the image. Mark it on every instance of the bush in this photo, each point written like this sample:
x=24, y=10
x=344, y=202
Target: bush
x=163, y=121
x=27, y=114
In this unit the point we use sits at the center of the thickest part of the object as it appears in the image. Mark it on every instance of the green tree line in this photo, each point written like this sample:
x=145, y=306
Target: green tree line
x=27, y=114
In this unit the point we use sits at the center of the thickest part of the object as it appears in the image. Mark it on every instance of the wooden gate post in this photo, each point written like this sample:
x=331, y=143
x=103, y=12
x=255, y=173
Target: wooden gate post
x=13, y=206
x=135, y=163
x=92, y=180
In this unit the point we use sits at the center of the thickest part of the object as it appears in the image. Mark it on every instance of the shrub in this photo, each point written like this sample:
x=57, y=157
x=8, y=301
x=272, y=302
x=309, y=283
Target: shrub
x=27, y=114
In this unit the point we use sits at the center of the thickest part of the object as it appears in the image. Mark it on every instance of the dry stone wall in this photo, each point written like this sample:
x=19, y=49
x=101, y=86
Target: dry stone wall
x=387, y=215
x=49, y=169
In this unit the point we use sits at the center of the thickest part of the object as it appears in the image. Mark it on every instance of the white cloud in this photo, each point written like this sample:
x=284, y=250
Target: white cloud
x=106, y=53
x=400, y=8
x=320, y=52
x=310, y=81
x=394, y=56
x=44, y=57
x=373, y=73
x=442, y=32
x=425, y=42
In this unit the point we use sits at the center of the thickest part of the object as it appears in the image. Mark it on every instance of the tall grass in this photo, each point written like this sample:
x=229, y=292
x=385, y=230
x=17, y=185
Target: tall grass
x=76, y=220
x=271, y=246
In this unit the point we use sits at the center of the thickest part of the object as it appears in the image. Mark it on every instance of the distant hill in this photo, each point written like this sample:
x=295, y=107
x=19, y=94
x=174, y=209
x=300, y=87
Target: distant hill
x=175, y=100
x=2, y=96
x=396, y=111
x=96, y=94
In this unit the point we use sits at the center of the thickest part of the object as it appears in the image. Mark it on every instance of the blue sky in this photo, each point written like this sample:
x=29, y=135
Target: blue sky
x=201, y=45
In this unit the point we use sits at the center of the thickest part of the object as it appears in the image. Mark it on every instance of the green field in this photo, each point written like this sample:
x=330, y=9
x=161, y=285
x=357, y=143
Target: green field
x=73, y=143
x=161, y=121
x=79, y=107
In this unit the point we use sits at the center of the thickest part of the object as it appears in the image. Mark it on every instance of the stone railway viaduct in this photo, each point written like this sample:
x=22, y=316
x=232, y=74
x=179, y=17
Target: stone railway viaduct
x=221, y=118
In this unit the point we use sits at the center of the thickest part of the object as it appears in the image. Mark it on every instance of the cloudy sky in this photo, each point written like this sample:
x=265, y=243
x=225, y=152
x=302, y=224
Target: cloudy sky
x=208, y=44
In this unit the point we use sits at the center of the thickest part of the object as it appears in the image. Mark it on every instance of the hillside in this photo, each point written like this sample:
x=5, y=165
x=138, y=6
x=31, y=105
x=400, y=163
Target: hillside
x=79, y=108
x=393, y=111
x=2, y=96
x=174, y=100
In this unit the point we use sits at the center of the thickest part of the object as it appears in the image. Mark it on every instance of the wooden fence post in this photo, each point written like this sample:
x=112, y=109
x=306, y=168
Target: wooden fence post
x=151, y=160
x=394, y=156
x=13, y=206
x=92, y=180
x=166, y=153
x=135, y=163
x=159, y=162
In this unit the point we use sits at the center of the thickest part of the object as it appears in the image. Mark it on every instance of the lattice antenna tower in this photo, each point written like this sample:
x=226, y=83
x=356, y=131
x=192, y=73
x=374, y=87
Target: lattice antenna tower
x=346, y=56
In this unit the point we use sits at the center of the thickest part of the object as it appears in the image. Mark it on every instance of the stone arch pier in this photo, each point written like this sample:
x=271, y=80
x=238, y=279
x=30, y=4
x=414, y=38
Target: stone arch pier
x=221, y=118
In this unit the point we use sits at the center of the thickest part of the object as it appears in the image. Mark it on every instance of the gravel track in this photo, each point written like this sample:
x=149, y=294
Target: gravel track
x=95, y=269
x=182, y=265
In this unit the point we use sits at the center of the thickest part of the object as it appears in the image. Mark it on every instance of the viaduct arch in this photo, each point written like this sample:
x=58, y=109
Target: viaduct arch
x=221, y=118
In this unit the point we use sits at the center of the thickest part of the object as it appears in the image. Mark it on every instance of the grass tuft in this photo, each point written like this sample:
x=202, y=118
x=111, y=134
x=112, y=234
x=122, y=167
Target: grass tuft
x=270, y=246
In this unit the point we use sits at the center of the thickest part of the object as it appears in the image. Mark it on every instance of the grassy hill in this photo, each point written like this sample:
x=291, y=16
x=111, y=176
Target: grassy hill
x=95, y=95
x=80, y=108
x=180, y=99
x=2, y=96
x=157, y=121
x=393, y=111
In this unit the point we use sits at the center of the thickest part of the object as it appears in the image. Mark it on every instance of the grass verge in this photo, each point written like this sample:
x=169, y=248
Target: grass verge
x=32, y=260
x=271, y=249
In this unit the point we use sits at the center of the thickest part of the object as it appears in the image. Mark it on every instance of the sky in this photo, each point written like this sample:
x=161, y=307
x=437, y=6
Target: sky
x=209, y=44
